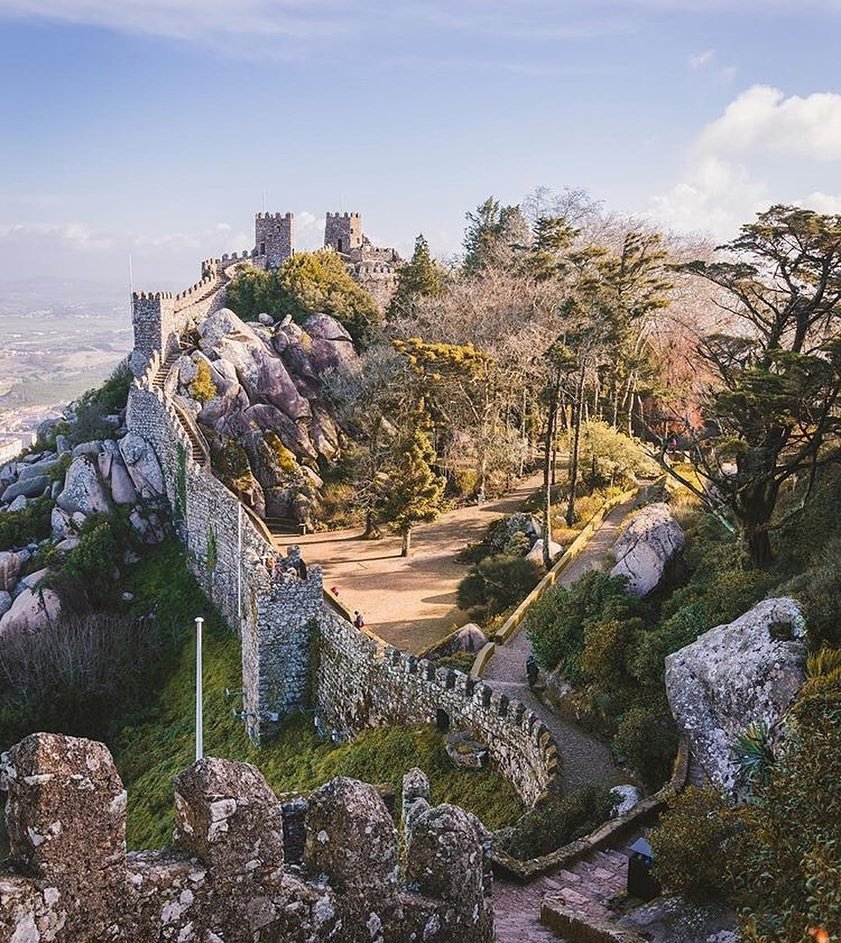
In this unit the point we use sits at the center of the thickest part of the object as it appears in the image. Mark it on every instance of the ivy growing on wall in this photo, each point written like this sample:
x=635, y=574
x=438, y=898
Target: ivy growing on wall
x=212, y=550
x=181, y=484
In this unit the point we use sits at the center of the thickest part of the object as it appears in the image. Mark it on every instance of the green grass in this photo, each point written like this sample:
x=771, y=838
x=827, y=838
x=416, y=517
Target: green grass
x=160, y=743
x=151, y=754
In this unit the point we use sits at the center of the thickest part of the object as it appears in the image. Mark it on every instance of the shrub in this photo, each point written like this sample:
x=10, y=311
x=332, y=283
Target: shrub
x=308, y=283
x=498, y=582
x=557, y=820
x=89, y=578
x=92, y=407
x=690, y=843
x=647, y=741
x=19, y=528
x=608, y=457
x=77, y=677
x=787, y=863
x=819, y=591
x=203, y=388
x=606, y=646
x=556, y=622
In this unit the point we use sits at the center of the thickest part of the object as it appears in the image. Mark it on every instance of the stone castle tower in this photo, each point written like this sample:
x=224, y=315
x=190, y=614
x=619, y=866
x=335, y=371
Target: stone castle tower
x=343, y=231
x=274, y=237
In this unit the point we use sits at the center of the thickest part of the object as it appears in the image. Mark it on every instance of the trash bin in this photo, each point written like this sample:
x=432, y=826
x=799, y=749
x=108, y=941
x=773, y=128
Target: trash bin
x=641, y=882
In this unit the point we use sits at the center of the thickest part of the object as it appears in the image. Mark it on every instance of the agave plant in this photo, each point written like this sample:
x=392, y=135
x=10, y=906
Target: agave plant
x=754, y=755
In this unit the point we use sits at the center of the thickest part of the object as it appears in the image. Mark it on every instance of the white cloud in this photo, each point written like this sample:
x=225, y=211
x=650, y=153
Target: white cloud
x=762, y=118
x=701, y=59
x=734, y=169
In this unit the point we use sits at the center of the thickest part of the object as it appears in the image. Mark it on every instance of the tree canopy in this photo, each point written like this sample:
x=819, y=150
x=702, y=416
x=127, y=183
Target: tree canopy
x=307, y=283
x=771, y=413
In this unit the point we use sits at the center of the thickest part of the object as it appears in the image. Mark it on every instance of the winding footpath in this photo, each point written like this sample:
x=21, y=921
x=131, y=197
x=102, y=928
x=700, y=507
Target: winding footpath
x=590, y=882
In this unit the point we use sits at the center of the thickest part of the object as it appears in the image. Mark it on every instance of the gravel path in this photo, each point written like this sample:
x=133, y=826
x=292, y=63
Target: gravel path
x=583, y=758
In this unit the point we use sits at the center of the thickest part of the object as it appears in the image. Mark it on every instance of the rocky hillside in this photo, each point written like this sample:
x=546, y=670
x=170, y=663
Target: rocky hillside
x=257, y=392
x=51, y=497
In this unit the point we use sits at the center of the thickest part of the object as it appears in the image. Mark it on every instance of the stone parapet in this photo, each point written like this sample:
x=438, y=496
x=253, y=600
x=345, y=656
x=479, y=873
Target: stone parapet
x=70, y=880
x=363, y=683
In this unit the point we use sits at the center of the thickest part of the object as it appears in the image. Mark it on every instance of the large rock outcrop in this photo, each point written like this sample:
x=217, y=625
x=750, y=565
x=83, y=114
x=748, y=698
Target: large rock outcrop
x=257, y=391
x=70, y=878
x=646, y=548
x=33, y=609
x=735, y=675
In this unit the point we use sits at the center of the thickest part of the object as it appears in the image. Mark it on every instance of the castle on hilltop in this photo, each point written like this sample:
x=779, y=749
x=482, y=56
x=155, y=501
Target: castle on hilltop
x=374, y=267
x=160, y=317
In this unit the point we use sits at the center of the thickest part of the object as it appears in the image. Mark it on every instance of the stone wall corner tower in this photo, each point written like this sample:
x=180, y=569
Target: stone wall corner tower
x=343, y=231
x=274, y=237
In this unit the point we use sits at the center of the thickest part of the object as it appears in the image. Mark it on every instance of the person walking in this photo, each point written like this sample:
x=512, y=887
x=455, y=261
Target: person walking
x=358, y=621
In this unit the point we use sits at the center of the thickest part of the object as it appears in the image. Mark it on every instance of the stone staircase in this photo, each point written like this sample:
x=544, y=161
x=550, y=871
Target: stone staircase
x=587, y=886
x=197, y=448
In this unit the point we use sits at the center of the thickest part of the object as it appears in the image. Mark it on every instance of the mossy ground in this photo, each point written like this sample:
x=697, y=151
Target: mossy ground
x=150, y=753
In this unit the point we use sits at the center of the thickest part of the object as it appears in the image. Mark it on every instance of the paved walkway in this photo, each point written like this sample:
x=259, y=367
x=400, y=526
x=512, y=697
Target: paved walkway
x=408, y=601
x=584, y=759
x=586, y=886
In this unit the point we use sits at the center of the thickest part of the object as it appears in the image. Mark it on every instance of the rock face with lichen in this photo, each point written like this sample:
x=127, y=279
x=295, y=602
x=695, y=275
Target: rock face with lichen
x=735, y=675
x=647, y=548
x=257, y=393
x=70, y=878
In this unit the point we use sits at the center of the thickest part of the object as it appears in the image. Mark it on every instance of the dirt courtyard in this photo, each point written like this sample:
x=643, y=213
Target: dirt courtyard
x=408, y=601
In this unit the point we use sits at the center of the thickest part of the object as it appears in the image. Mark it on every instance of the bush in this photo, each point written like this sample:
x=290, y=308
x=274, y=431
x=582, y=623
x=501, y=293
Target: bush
x=19, y=528
x=609, y=458
x=89, y=579
x=557, y=820
x=690, y=843
x=647, y=740
x=497, y=583
x=92, y=407
x=606, y=646
x=203, y=388
x=556, y=622
x=307, y=283
x=77, y=677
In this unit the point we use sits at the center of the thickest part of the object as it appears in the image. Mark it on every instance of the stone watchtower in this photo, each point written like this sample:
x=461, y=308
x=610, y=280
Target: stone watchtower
x=274, y=237
x=343, y=231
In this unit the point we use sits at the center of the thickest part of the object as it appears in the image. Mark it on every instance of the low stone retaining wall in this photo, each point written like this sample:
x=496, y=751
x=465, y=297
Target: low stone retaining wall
x=361, y=682
x=575, y=928
x=606, y=835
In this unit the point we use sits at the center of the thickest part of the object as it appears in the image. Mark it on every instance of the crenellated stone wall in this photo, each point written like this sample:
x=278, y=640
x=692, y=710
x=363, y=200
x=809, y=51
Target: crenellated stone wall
x=272, y=601
x=160, y=317
x=225, y=880
x=276, y=604
x=361, y=682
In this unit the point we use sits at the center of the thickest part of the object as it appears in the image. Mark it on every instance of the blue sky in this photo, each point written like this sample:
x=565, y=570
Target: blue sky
x=154, y=127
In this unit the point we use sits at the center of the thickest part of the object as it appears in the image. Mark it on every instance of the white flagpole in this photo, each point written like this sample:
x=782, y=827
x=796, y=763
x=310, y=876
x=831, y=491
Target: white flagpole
x=199, y=727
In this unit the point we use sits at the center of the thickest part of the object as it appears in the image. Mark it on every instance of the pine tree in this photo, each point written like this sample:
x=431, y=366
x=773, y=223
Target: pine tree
x=422, y=277
x=416, y=491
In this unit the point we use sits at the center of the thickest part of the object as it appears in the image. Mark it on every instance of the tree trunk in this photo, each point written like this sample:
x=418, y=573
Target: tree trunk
x=757, y=543
x=372, y=531
x=551, y=422
x=576, y=443
x=407, y=543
